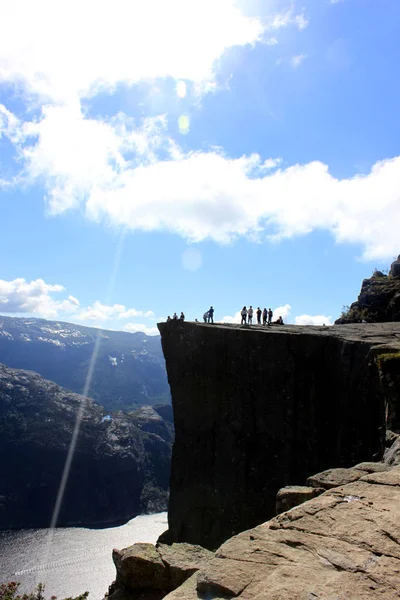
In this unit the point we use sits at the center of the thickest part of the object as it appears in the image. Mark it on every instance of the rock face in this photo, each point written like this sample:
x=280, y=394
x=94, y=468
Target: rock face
x=378, y=301
x=129, y=370
x=256, y=410
x=120, y=467
x=343, y=544
x=293, y=495
x=147, y=571
x=395, y=268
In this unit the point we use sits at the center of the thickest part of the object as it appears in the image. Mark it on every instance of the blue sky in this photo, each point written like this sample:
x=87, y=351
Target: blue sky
x=160, y=157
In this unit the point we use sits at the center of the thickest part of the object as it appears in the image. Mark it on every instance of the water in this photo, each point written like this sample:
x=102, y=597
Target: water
x=70, y=560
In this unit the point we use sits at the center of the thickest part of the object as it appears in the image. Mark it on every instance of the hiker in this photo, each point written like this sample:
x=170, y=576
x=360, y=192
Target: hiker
x=205, y=317
x=259, y=312
x=174, y=317
x=270, y=315
x=279, y=321
x=265, y=316
x=182, y=317
x=168, y=319
x=250, y=315
x=211, y=315
x=243, y=313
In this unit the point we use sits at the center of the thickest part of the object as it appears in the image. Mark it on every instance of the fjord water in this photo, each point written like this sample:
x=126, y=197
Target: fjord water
x=71, y=560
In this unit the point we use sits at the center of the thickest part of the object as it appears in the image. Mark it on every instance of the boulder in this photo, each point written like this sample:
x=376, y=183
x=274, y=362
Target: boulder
x=140, y=566
x=182, y=561
x=293, y=495
x=341, y=545
x=149, y=572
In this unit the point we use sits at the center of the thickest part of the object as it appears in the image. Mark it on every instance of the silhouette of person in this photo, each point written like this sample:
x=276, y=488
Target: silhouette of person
x=250, y=315
x=270, y=315
x=211, y=315
x=265, y=316
x=243, y=314
x=259, y=311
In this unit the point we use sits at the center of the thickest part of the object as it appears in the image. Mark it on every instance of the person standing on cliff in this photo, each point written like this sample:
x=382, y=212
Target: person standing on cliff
x=243, y=314
x=205, y=317
x=250, y=315
x=259, y=316
x=211, y=315
x=270, y=315
x=265, y=316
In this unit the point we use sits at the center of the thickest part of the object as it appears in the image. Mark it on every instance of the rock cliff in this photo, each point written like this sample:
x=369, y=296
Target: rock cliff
x=343, y=544
x=257, y=409
x=119, y=469
x=378, y=301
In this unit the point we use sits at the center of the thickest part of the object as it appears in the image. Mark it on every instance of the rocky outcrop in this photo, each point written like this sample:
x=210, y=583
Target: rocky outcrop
x=259, y=409
x=378, y=301
x=293, y=495
x=120, y=466
x=342, y=544
x=147, y=571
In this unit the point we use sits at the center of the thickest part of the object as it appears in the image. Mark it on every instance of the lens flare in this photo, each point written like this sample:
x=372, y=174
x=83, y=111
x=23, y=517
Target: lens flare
x=184, y=124
x=81, y=410
x=181, y=90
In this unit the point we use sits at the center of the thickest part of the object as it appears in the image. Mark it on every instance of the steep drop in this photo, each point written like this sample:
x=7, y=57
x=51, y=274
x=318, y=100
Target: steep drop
x=257, y=409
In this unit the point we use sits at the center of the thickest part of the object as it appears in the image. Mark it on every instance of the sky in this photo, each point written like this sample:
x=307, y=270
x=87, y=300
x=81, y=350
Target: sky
x=167, y=156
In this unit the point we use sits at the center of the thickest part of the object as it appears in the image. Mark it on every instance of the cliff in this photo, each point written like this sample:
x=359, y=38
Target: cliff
x=378, y=301
x=256, y=409
x=119, y=469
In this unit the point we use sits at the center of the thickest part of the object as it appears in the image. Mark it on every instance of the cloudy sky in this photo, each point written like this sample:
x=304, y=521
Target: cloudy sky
x=159, y=156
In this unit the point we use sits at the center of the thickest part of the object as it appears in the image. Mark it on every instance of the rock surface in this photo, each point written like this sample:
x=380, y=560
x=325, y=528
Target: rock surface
x=378, y=301
x=145, y=570
x=257, y=409
x=293, y=495
x=119, y=469
x=342, y=545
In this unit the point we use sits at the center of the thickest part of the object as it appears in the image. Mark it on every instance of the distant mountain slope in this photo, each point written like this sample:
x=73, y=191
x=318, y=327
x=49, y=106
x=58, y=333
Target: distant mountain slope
x=120, y=468
x=129, y=370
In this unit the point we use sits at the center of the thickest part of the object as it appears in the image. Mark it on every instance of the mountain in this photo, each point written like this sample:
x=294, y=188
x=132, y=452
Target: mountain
x=120, y=467
x=129, y=369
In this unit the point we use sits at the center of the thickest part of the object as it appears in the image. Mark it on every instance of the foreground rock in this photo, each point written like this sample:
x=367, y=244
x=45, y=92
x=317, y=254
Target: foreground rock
x=293, y=495
x=342, y=545
x=119, y=470
x=257, y=409
x=150, y=572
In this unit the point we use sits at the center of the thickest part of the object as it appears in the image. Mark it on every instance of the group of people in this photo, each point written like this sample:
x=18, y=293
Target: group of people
x=245, y=313
x=265, y=315
x=176, y=318
x=208, y=316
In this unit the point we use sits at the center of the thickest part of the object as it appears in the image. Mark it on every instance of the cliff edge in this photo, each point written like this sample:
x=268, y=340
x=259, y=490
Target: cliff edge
x=257, y=408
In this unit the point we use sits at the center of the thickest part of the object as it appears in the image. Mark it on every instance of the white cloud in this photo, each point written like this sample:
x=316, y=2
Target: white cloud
x=236, y=318
x=296, y=61
x=286, y=18
x=336, y=1
x=272, y=163
x=20, y=296
x=36, y=298
x=313, y=320
x=64, y=49
x=135, y=327
x=201, y=195
x=282, y=311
